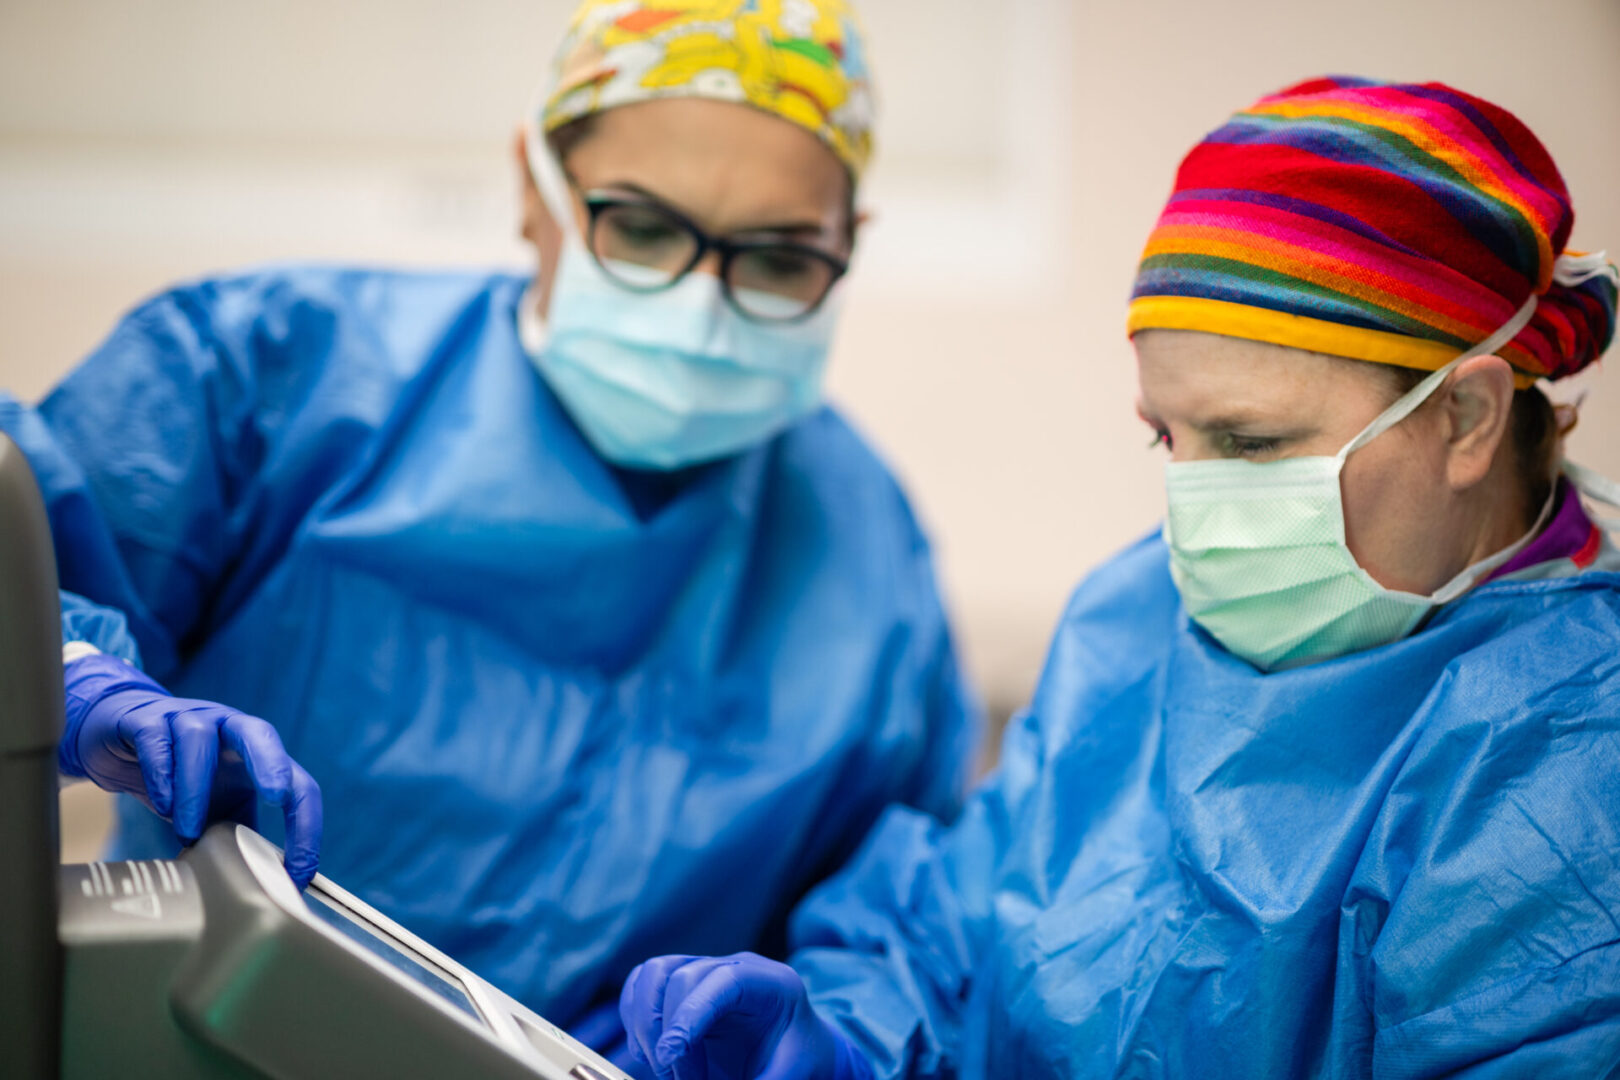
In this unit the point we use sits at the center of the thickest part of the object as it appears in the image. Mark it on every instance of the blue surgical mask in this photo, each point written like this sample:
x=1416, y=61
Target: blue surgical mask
x=674, y=378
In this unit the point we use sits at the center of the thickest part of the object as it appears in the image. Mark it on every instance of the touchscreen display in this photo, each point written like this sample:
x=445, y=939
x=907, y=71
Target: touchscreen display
x=394, y=953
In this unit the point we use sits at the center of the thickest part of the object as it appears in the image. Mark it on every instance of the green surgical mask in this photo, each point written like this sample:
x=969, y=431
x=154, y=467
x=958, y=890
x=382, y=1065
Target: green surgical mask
x=1258, y=549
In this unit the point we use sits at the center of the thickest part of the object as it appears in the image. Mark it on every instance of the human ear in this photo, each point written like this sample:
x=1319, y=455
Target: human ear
x=1476, y=410
x=857, y=225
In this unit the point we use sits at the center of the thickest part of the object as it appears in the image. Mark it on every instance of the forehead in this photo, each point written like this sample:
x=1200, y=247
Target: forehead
x=707, y=155
x=1192, y=376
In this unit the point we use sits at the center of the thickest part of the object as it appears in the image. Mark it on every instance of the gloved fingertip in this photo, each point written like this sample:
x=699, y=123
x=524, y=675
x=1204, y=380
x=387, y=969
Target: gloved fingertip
x=670, y=1049
x=188, y=820
x=302, y=860
x=303, y=817
x=302, y=872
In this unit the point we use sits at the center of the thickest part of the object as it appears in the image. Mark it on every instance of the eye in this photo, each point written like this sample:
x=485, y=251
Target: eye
x=643, y=229
x=1244, y=446
x=781, y=266
x=781, y=272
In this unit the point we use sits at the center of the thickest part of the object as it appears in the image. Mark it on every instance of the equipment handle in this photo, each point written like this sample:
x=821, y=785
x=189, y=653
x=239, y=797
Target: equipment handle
x=30, y=724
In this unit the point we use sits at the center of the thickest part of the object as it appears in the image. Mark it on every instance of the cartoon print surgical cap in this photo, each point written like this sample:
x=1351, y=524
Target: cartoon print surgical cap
x=802, y=60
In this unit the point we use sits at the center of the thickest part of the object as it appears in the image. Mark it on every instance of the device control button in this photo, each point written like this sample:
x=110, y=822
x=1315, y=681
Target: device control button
x=583, y=1071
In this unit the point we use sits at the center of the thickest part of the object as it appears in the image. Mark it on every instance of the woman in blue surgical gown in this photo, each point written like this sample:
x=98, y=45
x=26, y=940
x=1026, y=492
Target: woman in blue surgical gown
x=599, y=634
x=1324, y=780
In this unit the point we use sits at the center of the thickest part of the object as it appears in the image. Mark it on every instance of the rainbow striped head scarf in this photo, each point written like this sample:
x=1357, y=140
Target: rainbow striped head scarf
x=1400, y=224
x=802, y=60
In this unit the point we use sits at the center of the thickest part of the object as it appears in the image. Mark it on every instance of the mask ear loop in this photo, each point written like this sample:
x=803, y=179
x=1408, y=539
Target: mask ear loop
x=547, y=174
x=546, y=169
x=1420, y=393
x=1480, y=570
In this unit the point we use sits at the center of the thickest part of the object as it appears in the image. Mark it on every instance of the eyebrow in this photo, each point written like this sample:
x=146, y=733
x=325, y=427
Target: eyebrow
x=791, y=228
x=1230, y=422
x=1222, y=424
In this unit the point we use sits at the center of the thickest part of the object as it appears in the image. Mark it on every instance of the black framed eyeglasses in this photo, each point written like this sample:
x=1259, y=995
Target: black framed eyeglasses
x=647, y=247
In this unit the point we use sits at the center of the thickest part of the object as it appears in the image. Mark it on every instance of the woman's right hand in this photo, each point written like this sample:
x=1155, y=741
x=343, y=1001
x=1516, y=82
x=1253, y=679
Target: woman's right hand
x=736, y=1017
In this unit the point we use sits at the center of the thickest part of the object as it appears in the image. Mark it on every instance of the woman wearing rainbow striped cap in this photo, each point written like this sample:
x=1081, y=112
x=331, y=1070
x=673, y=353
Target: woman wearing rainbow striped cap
x=1322, y=781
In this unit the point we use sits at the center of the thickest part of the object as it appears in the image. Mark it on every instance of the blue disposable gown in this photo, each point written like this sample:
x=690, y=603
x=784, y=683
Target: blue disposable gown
x=563, y=718
x=1402, y=863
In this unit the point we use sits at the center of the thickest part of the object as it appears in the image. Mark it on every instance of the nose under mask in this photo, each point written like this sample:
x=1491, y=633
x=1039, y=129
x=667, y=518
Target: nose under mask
x=1258, y=550
x=666, y=379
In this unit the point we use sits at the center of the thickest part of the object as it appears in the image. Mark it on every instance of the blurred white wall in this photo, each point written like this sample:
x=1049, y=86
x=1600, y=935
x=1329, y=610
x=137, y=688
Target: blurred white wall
x=1026, y=149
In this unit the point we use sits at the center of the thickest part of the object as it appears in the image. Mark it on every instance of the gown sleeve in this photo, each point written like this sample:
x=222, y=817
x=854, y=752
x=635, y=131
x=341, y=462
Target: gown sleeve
x=103, y=628
x=888, y=948
x=144, y=453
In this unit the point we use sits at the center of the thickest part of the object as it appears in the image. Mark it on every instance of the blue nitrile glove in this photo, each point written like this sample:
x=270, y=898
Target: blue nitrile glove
x=192, y=762
x=737, y=1017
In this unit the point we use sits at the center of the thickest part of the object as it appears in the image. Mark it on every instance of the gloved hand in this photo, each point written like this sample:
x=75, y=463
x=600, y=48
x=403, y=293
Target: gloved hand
x=731, y=1018
x=191, y=762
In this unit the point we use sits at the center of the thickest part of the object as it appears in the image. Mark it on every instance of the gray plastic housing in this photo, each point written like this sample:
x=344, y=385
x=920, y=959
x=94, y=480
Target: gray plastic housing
x=275, y=990
x=30, y=724
x=126, y=927
x=327, y=1019
x=213, y=967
